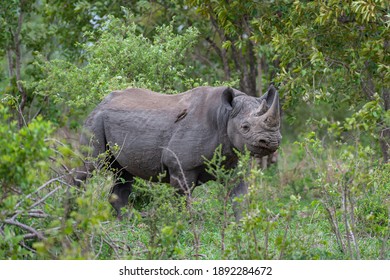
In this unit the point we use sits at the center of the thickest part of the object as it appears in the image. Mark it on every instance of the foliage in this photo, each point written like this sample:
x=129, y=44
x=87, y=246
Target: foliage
x=328, y=196
x=163, y=216
x=120, y=58
x=24, y=153
x=346, y=177
x=337, y=52
x=74, y=224
x=278, y=223
x=230, y=23
x=24, y=164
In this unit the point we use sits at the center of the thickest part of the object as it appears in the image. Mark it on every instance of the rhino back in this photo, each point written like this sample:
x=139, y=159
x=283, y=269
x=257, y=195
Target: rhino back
x=153, y=130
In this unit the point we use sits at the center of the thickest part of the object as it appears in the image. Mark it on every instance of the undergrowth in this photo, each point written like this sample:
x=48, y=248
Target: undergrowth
x=318, y=202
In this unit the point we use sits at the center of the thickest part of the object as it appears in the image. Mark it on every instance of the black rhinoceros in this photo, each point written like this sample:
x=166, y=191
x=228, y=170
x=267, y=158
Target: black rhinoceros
x=156, y=133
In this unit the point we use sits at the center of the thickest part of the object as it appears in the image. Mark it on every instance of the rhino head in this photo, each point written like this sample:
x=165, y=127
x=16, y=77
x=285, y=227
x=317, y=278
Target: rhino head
x=253, y=123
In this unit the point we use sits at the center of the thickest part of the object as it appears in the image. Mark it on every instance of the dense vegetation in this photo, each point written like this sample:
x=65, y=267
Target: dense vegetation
x=328, y=196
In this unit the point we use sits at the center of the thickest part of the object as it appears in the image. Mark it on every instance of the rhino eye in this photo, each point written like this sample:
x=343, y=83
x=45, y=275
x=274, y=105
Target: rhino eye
x=245, y=127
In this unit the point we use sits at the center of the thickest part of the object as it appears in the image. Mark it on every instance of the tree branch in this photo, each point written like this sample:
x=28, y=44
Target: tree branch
x=32, y=230
x=39, y=189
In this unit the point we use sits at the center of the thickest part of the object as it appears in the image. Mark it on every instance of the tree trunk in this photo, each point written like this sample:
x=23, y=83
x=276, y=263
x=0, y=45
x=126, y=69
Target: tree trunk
x=222, y=53
x=251, y=74
x=250, y=60
x=246, y=65
x=18, y=67
x=260, y=76
x=10, y=63
x=384, y=137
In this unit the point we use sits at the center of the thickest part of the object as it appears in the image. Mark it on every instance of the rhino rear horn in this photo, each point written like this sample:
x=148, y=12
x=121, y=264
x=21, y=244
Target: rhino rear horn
x=262, y=108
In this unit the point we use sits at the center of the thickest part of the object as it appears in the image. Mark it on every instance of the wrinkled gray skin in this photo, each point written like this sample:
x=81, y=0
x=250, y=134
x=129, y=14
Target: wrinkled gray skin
x=159, y=133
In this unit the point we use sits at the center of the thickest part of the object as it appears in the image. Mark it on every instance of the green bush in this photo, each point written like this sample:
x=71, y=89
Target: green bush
x=24, y=165
x=354, y=195
x=119, y=57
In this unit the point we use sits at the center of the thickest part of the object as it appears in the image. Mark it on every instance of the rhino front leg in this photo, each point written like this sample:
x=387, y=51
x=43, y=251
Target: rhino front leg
x=239, y=204
x=184, y=181
x=184, y=185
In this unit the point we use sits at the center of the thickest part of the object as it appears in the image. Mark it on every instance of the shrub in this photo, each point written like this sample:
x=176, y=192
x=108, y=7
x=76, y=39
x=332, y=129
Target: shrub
x=354, y=194
x=120, y=57
x=24, y=165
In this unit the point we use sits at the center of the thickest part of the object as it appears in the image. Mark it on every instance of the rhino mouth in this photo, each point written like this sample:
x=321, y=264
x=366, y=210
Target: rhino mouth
x=261, y=147
x=261, y=150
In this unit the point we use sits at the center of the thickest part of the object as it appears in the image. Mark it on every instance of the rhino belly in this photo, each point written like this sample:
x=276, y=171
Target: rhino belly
x=141, y=163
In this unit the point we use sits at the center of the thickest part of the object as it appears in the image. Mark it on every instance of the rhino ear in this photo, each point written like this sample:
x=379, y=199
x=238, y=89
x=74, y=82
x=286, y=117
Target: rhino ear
x=227, y=98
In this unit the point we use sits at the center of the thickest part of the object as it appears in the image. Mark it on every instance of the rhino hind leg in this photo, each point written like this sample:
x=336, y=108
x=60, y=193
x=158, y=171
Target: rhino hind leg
x=119, y=195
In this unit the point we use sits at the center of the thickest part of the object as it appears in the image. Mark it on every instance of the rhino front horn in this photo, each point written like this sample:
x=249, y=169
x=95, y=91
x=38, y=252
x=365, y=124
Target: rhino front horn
x=272, y=117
